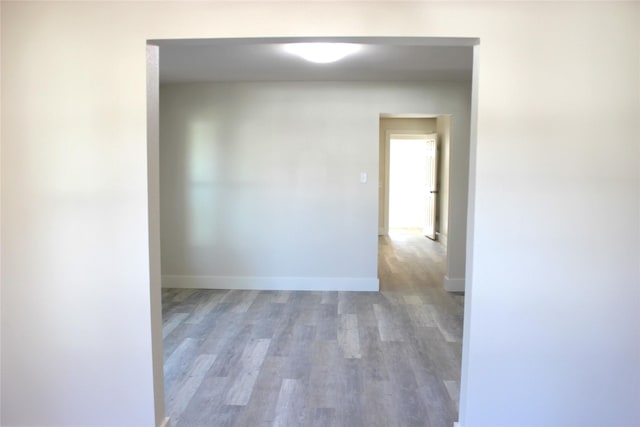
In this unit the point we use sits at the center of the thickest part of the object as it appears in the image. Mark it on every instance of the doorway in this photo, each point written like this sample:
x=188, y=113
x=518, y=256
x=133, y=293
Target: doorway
x=413, y=183
x=413, y=209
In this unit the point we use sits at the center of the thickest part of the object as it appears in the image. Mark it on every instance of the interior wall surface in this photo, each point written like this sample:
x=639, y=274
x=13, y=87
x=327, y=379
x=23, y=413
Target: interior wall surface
x=551, y=304
x=261, y=181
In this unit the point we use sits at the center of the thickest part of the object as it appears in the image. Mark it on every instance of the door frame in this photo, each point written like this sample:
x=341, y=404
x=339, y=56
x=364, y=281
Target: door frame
x=153, y=209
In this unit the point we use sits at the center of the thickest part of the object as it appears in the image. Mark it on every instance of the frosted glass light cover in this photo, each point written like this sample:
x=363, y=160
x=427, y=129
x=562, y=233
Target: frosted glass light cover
x=322, y=53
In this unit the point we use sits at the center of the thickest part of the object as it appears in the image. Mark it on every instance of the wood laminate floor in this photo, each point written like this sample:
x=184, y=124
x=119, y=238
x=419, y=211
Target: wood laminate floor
x=267, y=358
x=407, y=260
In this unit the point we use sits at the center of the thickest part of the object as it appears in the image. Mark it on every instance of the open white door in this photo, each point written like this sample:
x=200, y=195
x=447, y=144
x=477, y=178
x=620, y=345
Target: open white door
x=411, y=182
x=431, y=190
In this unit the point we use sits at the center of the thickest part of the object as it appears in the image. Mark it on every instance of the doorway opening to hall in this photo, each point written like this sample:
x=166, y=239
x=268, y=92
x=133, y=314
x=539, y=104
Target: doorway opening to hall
x=414, y=189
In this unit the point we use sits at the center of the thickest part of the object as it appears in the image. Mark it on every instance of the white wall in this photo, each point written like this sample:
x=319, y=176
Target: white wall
x=76, y=330
x=550, y=335
x=1, y=317
x=260, y=181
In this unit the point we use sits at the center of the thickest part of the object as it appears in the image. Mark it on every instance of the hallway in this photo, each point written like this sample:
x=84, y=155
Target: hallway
x=407, y=260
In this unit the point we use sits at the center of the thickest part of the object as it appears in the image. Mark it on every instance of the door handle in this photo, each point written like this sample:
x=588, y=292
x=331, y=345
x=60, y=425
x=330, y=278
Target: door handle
x=433, y=191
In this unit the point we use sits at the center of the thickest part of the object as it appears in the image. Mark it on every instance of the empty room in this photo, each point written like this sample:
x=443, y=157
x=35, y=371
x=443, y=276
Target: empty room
x=269, y=212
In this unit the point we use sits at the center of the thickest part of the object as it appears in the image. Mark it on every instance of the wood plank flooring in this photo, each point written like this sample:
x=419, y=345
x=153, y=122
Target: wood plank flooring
x=267, y=358
x=407, y=260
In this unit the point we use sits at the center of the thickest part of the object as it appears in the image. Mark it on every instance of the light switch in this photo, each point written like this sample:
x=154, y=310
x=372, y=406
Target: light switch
x=363, y=177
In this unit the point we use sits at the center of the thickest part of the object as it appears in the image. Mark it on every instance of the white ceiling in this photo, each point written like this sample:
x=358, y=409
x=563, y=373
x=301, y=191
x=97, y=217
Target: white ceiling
x=380, y=59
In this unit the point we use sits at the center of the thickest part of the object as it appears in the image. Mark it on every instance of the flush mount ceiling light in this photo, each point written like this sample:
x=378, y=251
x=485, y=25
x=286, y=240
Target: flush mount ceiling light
x=322, y=53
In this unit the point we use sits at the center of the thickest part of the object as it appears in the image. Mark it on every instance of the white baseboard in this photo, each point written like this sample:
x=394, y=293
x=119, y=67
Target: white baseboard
x=371, y=284
x=166, y=422
x=453, y=285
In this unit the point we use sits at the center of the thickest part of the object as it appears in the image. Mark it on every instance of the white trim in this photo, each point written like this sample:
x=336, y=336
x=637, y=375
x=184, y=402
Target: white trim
x=166, y=422
x=381, y=231
x=453, y=285
x=456, y=424
x=370, y=284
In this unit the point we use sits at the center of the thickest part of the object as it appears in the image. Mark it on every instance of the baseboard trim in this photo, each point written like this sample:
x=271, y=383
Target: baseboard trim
x=367, y=284
x=166, y=422
x=453, y=285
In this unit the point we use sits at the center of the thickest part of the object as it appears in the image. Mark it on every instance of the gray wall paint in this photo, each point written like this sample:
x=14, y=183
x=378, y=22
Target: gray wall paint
x=262, y=179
